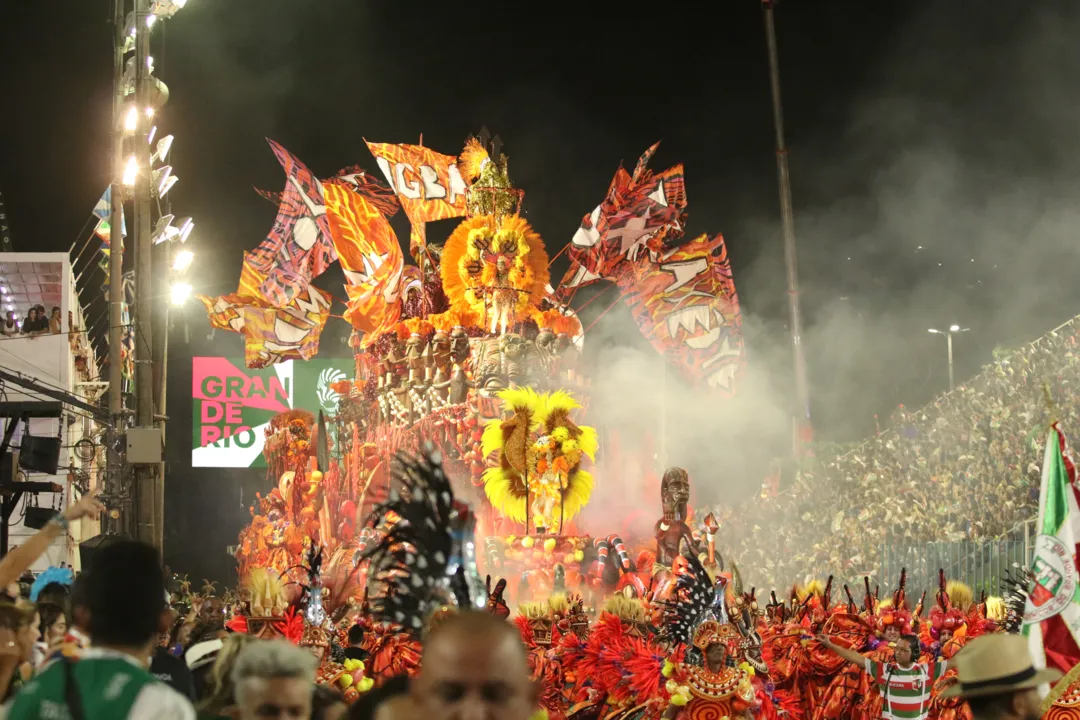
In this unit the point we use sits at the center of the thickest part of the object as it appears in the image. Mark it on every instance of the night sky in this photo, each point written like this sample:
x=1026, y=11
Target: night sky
x=932, y=151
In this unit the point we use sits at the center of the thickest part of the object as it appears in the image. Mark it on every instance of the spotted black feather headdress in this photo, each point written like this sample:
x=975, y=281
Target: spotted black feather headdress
x=427, y=559
x=695, y=600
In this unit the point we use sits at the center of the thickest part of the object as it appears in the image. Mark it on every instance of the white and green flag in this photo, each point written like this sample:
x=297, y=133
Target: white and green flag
x=1052, y=615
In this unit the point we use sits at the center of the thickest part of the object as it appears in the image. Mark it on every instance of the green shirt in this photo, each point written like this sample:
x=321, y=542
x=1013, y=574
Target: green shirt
x=110, y=685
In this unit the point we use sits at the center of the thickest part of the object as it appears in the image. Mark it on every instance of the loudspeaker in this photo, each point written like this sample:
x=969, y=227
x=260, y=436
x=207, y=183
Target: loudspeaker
x=37, y=517
x=89, y=548
x=39, y=454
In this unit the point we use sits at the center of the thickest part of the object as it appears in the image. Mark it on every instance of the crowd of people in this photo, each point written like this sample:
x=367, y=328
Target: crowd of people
x=36, y=322
x=110, y=643
x=964, y=468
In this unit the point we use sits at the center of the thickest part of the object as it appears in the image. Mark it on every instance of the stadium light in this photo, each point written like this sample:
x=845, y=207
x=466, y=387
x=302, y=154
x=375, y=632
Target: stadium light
x=179, y=293
x=162, y=150
x=163, y=179
x=131, y=119
x=131, y=169
x=182, y=260
x=163, y=230
x=186, y=226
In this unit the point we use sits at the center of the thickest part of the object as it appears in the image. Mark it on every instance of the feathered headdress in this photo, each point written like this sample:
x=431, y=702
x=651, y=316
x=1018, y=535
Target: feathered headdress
x=58, y=575
x=694, y=602
x=427, y=560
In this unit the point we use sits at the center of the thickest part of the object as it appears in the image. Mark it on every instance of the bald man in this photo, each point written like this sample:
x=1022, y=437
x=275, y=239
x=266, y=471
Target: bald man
x=474, y=668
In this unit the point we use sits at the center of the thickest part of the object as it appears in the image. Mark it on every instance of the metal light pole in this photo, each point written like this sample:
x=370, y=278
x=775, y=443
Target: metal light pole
x=953, y=330
x=161, y=364
x=804, y=427
x=113, y=469
x=146, y=479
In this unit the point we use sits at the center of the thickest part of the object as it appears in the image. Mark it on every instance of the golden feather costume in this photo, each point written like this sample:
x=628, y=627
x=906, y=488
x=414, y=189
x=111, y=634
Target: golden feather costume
x=541, y=451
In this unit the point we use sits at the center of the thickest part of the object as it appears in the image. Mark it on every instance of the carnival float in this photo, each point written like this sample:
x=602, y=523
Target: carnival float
x=457, y=465
x=468, y=347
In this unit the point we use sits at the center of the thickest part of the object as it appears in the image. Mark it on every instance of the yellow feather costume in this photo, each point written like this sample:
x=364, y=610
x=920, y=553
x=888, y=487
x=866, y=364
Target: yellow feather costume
x=540, y=455
x=494, y=268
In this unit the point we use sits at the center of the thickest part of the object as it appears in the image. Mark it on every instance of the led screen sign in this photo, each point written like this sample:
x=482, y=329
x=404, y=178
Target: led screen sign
x=232, y=405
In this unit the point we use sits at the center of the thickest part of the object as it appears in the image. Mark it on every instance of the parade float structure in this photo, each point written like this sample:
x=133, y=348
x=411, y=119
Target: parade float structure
x=468, y=347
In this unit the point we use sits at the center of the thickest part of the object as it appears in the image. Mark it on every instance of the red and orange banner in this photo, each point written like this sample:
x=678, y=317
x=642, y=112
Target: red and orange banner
x=370, y=256
x=427, y=183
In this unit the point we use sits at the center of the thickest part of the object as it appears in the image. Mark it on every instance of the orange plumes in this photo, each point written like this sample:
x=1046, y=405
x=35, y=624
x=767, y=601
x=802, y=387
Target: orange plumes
x=558, y=323
x=419, y=326
x=472, y=159
x=470, y=257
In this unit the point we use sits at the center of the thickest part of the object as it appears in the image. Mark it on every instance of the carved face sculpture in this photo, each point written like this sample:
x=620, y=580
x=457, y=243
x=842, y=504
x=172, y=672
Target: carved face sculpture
x=440, y=346
x=459, y=344
x=675, y=493
x=414, y=348
x=488, y=369
x=545, y=341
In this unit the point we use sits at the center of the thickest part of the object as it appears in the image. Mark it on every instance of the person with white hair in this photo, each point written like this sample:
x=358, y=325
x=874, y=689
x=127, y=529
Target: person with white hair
x=274, y=679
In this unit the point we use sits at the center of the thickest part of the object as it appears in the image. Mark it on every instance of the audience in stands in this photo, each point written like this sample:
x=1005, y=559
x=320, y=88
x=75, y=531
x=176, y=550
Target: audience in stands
x=966, y=467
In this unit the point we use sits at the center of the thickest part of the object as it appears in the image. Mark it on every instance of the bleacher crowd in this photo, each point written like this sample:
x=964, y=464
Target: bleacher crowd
x=965, y=467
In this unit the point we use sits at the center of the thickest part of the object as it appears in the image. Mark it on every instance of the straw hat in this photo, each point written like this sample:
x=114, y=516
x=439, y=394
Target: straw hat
x=996, y=664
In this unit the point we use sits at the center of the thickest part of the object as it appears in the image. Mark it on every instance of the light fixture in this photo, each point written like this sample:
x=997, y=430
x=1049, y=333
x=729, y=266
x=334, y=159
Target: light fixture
x=150, y=112
x=164, y=179
x=186, y=226
x=3, y=289
x=162, y=150
x=166, y=185
x=131, y=119
x=164, y=230
x=131, y=169
x=182, y=260
x=937, y=332
x=150, y=20
x=180, y=292
x=165, y=9
x=954, y=328
x=153, y=132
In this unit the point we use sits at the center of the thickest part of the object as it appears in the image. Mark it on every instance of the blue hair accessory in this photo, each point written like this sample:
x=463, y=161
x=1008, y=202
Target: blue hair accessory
x=61, y=575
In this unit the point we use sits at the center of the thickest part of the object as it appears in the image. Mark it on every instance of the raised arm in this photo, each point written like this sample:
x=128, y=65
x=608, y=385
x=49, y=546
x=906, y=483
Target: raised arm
x=846, y=653
x=18, y=560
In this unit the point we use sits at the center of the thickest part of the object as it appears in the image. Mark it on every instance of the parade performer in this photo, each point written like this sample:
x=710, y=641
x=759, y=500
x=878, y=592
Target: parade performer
x=715, y=689
x=905, y=684
x=708, y=684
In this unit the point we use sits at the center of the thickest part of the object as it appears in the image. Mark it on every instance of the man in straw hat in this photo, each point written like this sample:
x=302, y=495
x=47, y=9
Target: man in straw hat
x=996, y=677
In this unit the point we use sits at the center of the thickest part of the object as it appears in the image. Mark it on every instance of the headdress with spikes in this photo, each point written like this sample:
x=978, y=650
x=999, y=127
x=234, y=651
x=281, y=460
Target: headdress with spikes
x=427, y=559
x=484, y=167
